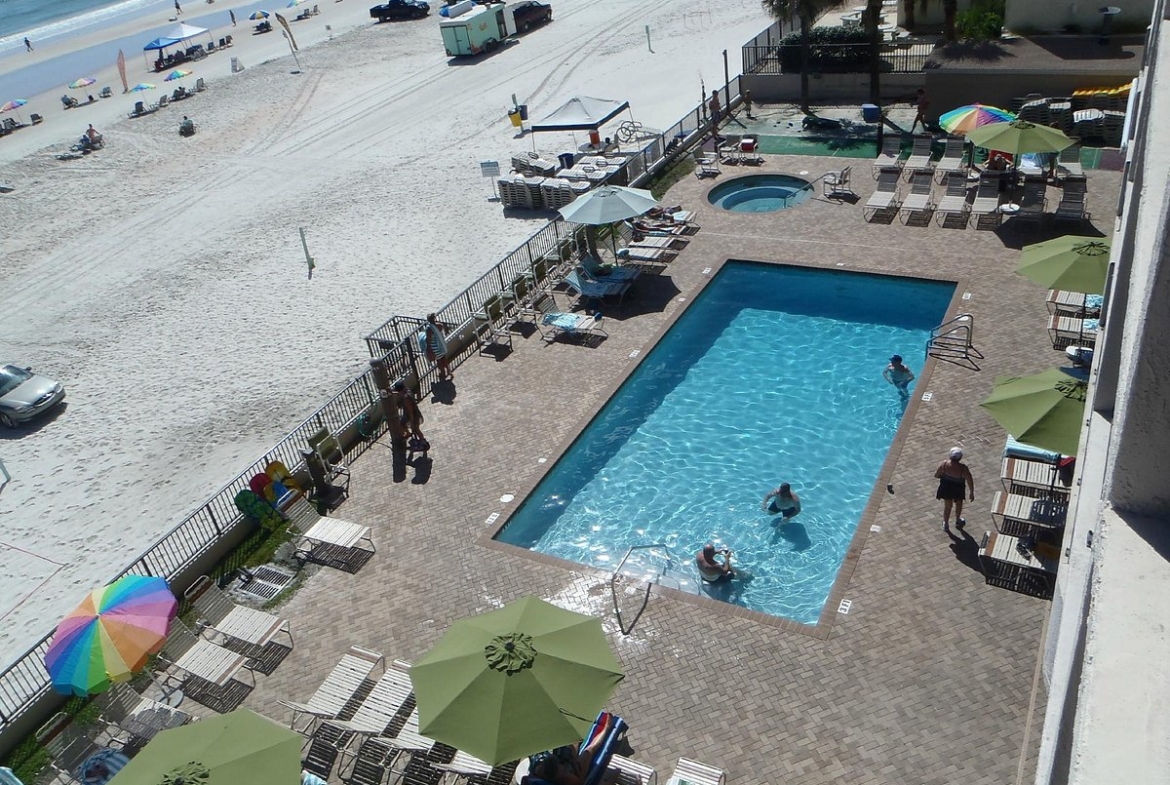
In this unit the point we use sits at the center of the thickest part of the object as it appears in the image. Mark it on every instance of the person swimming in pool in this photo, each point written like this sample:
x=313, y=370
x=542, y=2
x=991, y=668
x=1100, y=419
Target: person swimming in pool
x=782, y=500
x=899, y=375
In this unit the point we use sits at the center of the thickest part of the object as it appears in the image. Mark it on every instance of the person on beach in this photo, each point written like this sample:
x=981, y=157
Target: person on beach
x=898, y=375
x=232, y=14
x=953, y=478
x=27, y=45
x=435, y=344
x=922, y=103
x=178, y=8
x=92, y=133
x=711, y=569
x=783, y=501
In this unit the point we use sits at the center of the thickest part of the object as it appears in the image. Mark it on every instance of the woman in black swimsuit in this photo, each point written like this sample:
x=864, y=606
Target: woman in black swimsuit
x=953, y=479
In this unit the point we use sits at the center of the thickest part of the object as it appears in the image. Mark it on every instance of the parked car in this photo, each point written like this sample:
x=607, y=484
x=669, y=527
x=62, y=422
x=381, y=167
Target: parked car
x=400, y=9
x=529, y=14
x=25, y=395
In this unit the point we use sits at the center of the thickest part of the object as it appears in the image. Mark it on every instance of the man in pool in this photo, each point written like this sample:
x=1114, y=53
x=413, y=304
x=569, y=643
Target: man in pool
x=783, y=501
x=899, y=375
x=710, y=569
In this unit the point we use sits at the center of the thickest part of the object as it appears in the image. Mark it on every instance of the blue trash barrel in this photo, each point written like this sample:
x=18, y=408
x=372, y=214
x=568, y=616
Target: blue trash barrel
x=871, y=113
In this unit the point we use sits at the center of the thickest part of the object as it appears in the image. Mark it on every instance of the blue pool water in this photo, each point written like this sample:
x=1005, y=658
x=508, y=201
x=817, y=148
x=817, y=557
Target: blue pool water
x=773, y=374
x=760, y=193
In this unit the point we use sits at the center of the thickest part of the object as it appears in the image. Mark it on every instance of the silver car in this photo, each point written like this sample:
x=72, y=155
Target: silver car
x=25, y=395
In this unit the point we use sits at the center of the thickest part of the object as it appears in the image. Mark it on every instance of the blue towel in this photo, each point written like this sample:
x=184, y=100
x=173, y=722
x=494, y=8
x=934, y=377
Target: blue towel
x=562, y=321
x=1029, y=452
x=1094, y=301
x=1090, y=325
x=7, y=777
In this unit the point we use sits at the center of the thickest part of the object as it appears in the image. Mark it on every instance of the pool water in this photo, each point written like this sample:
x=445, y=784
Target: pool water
x=772, y=375
x=760, y=193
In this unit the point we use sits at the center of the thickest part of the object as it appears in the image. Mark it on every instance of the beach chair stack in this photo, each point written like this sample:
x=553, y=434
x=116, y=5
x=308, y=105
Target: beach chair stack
x=514, y=191
x=555, y=193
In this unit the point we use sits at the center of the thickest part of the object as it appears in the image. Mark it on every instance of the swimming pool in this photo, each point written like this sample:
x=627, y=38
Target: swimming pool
x=760, y=193
x=772, y=374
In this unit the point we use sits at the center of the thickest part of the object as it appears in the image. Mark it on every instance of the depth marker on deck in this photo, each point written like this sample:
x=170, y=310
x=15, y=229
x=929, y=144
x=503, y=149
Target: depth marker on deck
x=635, y=353
x=541, y=460
x=840, y=264
x=706, y=271
x=844, y=607
x=966, y=295
x=492, y=518
x=875, y=528
x=927, y=396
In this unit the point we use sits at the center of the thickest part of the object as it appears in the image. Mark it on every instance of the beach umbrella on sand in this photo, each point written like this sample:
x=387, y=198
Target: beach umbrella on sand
x=514, y=681
x=15, y=103
x=1019, y=137
x=110, y=635
x=224, y=749
x=967, y=118
x=295, y=3
x=1045, y=409
x=606, y=205
x=178, y=73
x=141, y=87
x=84, y=81
x=256, y=16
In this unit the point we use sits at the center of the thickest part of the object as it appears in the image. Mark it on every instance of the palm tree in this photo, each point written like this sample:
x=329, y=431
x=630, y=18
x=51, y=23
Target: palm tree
x=807, y=12
x=873, y=11
x=950, y=12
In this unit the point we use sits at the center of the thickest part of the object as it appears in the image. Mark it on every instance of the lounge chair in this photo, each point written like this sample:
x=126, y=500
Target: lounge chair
x=379, y=707
x=954, y=200
x=920, y=156
x=690, y=772
x=920, y=200
x=1071, y=209
x=338, y=689
x=986, y=204
x=36, y=119
x=954, y=158
x=641, y=253
x=706, y=164
x=1085, y=306
x=594, y=270
x=615, y=729
x=655, y=229
x=1032, y=203
x=106, y=92
x=890, y=155
x=596, y=289
x=132, y=717
x=163, y=100
x=489, y=326
x=576, y=324
x=249, y=628
x=71, y=752
x=885, y=198
x=1020, y=514
x=1068, y=162
x=624, y=771
x=1021, y=473
x=69, y=101
x=372, y=762
x=187, y=656
x=465, y=766
x=1069, y=330
x=200, y=85
x=836, y=184
x=327, y=448
x=1008, y=563
x=324, y=748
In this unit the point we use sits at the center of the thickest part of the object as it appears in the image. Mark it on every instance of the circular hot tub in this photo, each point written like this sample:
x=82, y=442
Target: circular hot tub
x=760, y=193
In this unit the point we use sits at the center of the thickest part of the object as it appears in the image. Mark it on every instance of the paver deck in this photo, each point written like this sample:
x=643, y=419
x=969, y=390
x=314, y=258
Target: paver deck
x=931, y=677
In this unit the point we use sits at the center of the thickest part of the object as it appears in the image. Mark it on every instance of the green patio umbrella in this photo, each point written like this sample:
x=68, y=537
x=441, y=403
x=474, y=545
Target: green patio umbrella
x=1071, y=263
x=227, y=749
x=1018, y=137
x=1045, y=409
x=515, y=681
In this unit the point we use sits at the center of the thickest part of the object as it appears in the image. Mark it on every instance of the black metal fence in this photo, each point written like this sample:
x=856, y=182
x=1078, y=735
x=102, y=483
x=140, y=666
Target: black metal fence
x=394, y=343
x=907, y=56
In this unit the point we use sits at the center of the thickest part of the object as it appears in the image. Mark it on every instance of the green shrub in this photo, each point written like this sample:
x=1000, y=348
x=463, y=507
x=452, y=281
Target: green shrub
x=983, y=21
x=839, y=50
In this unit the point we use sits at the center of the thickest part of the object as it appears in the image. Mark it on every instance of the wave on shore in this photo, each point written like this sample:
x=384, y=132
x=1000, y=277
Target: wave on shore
x=40, y=21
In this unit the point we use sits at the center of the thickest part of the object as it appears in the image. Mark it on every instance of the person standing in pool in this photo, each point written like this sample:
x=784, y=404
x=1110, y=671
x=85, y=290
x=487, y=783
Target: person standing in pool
x=711, y=570
x=953, y=479
x=783, y=501
x=899, y=375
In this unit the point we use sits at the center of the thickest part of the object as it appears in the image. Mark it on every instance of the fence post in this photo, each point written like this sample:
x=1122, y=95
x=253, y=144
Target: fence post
x=214, y=522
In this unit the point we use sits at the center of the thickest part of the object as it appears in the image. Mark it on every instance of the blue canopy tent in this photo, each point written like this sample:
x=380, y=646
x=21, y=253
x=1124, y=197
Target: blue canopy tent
x=177, y=35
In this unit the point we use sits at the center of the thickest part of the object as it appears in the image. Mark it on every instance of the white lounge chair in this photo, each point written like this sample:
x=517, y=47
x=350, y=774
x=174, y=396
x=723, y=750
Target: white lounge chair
x=378, y=709
x=886, y=196
x=131, y=716
x=252, y=629
x=986, y=204
x=920, y=200
x=954, y=201
x=577, y=324
x=954, y=158
x=627, y=772
x=70, y=750
x=691, y=772
x=890, y=156
x=1068, y=163
x=835, y=184
x=920, y=156
x=189, y=656
x=338, y=689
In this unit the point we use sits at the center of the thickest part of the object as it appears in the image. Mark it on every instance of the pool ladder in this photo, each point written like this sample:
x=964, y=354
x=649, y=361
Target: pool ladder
x=953, y=340
x=670, y=575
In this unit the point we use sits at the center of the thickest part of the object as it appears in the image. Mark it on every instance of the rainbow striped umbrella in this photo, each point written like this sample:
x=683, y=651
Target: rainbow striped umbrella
x=110, y=635
x=967, y=118
x=84, y=81
x=178, y=73
x=15, y=103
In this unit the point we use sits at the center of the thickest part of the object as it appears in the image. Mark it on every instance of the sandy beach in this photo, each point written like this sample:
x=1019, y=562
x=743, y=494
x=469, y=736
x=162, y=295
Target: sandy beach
x=161, y=279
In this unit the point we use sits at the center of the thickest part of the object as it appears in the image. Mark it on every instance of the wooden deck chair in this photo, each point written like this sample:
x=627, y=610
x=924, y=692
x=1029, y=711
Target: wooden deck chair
x=187, y=655
x=890, y=156
x=250, y=628
x=338, y=688
x=131, y=716
x=690, y=772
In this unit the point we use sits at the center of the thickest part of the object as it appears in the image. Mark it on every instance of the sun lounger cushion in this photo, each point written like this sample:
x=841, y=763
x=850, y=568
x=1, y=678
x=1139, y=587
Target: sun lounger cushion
x=1029, y=452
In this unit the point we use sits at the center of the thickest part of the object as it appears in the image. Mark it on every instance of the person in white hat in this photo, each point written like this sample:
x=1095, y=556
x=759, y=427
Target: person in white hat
x=953, y=479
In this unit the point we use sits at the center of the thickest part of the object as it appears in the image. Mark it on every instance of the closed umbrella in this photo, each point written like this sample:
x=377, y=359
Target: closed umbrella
x=110, y=635
x=968, y=118
x=223, y=749
x=515, y=681
x=1019, y=137
x=1045, y=409
x=1070, y=263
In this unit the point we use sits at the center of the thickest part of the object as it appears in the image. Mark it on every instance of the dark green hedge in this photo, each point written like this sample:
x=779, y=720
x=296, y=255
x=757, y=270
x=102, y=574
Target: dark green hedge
x=839, y=50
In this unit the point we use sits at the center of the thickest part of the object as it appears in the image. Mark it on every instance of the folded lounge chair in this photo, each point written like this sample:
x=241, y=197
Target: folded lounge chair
x=890, y=155
x=249, y=628
x=338, y=689
x=489, y=324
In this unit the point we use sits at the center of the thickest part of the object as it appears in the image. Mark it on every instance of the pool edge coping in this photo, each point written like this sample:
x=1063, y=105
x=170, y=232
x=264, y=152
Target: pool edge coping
x=829, y=613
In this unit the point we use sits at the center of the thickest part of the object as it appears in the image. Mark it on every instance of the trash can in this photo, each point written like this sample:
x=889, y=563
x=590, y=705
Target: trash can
x=871, y=113
x=523, y=112
x=514, y=116
x=566, y=160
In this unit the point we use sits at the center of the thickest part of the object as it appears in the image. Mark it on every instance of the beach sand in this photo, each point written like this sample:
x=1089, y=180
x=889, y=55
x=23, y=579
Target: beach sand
x=162, y=280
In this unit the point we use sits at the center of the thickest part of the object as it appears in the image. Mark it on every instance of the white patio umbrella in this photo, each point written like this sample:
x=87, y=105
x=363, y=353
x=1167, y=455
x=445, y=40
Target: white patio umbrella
x=606, y=205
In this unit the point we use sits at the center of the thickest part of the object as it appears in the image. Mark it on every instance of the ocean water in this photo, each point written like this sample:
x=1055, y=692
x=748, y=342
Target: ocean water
x=45, y=20
x=773, y=374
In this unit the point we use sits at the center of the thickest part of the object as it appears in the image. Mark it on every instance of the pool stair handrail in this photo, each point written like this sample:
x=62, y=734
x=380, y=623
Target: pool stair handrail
x=670, y=576
x=954, y=341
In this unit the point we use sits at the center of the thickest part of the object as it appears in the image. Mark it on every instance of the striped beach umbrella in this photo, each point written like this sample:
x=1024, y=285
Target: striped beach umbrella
x=110, y=635
x=966, y=118
x=256, y=16
x=178, y=73
x=84, y=81
x=141, y=87
x=15, y=103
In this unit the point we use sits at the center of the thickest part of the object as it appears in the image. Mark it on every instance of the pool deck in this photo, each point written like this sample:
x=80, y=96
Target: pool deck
x=931, y=677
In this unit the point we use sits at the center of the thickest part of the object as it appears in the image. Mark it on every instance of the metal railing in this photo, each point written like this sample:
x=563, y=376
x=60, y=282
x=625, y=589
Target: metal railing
x=906, y=56
x=394, y=343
